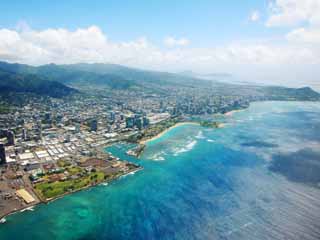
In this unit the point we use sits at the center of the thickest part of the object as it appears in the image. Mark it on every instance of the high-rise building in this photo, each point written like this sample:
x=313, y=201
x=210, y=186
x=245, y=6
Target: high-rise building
x=24, y=134
x=47, y=118
x=77, y=127
x=68, y=138
x=94, y=125
x=3, y=133
x=112, y=116
x=138, y=123
x=145, y=122
x=10, y=138
x=39, y=130
x=129, y=122
x=2, y=154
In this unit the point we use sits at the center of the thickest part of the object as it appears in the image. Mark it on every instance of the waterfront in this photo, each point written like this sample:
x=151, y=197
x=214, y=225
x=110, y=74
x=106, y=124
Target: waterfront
x=167, y=130
x=237, y=182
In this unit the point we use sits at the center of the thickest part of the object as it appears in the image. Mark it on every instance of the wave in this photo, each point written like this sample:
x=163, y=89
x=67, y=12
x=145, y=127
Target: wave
x=159, y=159
x=187, y=148
x=130, y=173
x=210, y=140
x=28, y=209
x=126, y=175
x=200, y=135
x=158, y=156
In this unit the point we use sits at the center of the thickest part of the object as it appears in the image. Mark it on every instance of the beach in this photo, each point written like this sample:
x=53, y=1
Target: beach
x=165, y=131
x=230, y=113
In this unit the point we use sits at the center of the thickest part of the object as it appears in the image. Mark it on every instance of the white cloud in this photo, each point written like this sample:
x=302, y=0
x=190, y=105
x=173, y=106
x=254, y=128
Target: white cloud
x=173, y=42
x=64, y=46
x=254, y=61
x=302, y=14
x=255, y=16
x=92, y=45
x=293, y=12
x=303, y=35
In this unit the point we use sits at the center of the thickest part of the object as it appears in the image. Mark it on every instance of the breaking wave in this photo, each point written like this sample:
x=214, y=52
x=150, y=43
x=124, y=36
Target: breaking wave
x=200, y=135
x=186, y=148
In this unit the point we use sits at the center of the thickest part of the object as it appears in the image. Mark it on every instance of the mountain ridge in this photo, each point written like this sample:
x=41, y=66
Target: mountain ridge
x=117, y=77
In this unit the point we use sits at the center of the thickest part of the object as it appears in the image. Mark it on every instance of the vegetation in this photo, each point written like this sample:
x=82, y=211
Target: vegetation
x=48, y=190
x=62, y=163
x=210, y=124
x=50, y=80
x=291, y=94
x=74, y=170
x=71, y=75
x=27, y=83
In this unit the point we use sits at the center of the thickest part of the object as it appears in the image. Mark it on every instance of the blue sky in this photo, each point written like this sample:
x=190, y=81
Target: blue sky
x=204, y=22
x=265, y=41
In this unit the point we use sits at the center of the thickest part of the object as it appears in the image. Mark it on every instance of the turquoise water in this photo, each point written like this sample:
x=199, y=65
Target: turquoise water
x=257, y=178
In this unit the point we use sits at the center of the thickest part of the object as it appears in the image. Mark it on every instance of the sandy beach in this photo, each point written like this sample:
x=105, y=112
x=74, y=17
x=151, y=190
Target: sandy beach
x=165, y=131
x=232, y=112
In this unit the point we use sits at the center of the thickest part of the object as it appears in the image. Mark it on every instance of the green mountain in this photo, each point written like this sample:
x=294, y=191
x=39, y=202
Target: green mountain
x=297, y=94
x=111, y=76
x=70, y=76
x=29, y=83
x=78, y=77
x=108, y=75
x=137, y=76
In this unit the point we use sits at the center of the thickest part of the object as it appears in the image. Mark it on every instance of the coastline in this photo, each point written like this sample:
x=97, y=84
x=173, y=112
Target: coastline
x=93, y=185
x=143, y=142
x=230, y=113
x=47, y=201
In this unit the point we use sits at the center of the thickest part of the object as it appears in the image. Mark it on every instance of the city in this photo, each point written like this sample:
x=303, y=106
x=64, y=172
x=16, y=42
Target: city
x=54, y=146
x=169, y=120
x=44, y=144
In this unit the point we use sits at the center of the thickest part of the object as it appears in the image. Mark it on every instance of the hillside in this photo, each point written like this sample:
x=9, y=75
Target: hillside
x=116, y=77
x=138, y=76
x=29, y=83
x=298, y=94
x=107, y=75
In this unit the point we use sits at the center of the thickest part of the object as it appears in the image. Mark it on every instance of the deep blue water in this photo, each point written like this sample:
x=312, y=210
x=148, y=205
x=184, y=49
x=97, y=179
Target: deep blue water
x=257, y=178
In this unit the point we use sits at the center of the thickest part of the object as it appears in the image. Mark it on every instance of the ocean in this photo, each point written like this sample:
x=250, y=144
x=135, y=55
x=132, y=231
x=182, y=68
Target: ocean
x=256, y=178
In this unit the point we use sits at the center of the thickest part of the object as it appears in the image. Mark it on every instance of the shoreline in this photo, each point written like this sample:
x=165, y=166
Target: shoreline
x=90, y=186
x=230, y=113
x=143, y=142
x=3, y=218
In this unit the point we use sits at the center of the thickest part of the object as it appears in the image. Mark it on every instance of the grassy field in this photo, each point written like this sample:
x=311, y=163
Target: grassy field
x=51, y=190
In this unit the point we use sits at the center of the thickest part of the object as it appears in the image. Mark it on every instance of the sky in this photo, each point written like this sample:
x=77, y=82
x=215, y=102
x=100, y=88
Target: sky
x=260, y=41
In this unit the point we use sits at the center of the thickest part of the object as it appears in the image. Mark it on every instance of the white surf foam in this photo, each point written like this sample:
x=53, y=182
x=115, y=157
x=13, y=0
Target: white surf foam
x=158, y=156
x=200, y=135
x=28, y=209
x=186, y=148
